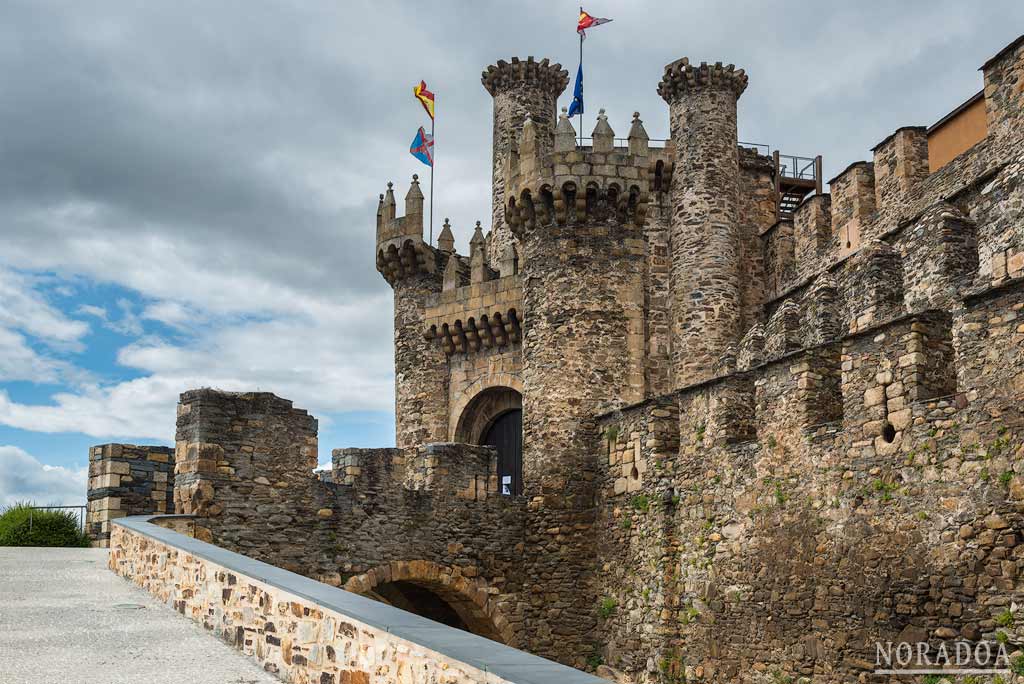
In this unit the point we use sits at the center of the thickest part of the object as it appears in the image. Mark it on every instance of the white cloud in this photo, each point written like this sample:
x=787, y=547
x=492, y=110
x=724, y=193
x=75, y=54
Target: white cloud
x=170, y=313
x=31, y=330
x=325, y=359
x=23, y=478
x=23, y=308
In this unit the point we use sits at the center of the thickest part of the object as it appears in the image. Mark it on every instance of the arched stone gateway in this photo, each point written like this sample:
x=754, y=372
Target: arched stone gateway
x=494, y=416
x=437, y=592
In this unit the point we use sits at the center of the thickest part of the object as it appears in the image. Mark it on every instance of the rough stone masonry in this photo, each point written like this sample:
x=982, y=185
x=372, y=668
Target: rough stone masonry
x=759, y=431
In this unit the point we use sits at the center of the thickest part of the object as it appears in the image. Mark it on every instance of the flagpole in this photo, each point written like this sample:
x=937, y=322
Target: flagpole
x=433, y=160
x=581, y=71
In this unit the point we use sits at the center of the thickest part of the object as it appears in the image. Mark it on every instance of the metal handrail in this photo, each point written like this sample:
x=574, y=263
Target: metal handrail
x=79, y=515
x=661, y=142
x=800, y=168
x=757, y=146
x=625, y=141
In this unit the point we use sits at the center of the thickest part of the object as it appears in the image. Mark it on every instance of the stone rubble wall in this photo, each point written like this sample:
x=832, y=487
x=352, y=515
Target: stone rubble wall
x=245, y=473
x=125, y=479
x=301, y=640
x=789, y=551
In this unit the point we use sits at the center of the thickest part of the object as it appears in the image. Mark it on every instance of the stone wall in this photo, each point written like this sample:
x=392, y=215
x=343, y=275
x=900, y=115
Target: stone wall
x=788, y=552
x=305, y=632
x=245, y=474
x=125, y=479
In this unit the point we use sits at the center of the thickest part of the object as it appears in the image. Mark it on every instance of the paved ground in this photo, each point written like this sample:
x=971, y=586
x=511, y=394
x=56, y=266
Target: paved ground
x=65, y=618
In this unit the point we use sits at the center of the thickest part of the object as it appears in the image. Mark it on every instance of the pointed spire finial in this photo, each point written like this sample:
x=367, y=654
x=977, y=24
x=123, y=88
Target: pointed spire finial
x=604, y=136
x=638, y=139
x=565, y=134
x=478, y=235
x=446, y=240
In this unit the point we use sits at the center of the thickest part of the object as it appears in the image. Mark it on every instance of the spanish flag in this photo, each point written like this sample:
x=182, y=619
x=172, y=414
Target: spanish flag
x=586, y=21
x=425, y=97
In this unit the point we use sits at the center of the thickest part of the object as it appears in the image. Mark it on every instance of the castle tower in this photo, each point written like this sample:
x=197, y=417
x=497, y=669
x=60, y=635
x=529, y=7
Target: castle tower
x=415, y=271
x=704, y=236
x=581, y=234
x=519, y=89
x=578, y=215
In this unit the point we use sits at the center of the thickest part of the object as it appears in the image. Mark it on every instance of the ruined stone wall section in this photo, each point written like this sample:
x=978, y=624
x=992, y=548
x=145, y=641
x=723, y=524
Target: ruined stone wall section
x=445, y=470
x=757, y=213
x=812, y=234
x=779, y=250
x=1004, y=91
x=125, y=479
x=657, y=302
x=900, y=164
x=243, y=462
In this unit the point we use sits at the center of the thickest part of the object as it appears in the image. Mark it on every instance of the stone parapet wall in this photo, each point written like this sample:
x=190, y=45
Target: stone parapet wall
x=841, y=532
x=125, y=479
x=303, y=631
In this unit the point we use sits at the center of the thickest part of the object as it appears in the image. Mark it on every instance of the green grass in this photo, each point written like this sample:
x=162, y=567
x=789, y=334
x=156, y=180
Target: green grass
x=606, y=608
x=20, y=525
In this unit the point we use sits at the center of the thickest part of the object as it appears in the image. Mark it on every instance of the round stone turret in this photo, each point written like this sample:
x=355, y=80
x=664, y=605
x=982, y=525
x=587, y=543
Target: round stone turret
x=705, y=235
x=681, y=77
x=519, y=88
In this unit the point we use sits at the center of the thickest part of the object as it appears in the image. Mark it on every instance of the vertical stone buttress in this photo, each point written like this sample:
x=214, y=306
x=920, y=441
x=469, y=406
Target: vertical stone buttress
x=704, y=237
x=518, y=88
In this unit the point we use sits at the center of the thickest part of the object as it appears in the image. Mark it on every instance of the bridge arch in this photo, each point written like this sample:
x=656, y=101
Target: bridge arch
x=438, y=592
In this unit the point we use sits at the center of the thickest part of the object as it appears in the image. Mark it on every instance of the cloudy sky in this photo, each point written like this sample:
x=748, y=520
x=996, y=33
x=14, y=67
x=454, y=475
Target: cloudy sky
x=188, y=189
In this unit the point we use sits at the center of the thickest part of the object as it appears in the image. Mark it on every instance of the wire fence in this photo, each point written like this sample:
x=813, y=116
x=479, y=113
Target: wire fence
x=77, y=511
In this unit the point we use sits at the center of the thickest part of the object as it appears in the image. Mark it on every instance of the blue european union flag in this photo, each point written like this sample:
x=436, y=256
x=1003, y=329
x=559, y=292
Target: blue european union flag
x=577, y=94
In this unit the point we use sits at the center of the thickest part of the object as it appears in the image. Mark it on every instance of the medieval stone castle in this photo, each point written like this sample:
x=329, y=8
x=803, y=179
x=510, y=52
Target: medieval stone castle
x=680, y=415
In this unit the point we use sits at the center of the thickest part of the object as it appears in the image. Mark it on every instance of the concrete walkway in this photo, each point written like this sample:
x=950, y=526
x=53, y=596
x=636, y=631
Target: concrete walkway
x=64, y=617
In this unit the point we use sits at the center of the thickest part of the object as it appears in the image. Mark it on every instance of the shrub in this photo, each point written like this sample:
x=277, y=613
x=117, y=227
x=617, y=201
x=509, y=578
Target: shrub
x=21, y=525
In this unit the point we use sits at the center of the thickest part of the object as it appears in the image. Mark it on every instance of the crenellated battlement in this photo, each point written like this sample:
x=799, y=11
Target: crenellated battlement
x=505, y=76
x=681, y=77
x=401, y=250
x=601, y=184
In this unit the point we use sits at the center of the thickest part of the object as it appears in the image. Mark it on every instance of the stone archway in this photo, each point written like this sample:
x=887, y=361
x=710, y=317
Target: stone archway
x=480, y=411
x=458, y=430
x=494, y=416
x=438, y=592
